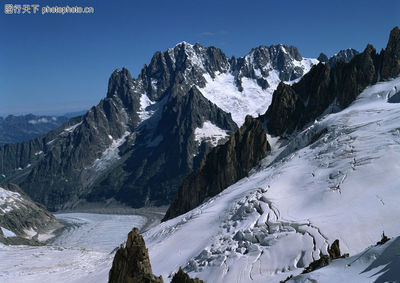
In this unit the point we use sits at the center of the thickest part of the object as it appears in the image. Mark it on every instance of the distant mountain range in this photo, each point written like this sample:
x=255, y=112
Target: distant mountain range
x=14, y=129
x=20, y=128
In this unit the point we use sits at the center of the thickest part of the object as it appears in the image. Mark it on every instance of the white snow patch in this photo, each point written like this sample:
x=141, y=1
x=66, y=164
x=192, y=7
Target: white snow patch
x=7, y=233
x=209, y=132
x=30, y=233
x=145, y=111
x=110, y=155
x=222, y=91
x=72, y=128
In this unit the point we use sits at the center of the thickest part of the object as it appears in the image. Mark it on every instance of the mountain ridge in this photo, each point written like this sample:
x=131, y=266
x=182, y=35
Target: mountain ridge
x=113, y=150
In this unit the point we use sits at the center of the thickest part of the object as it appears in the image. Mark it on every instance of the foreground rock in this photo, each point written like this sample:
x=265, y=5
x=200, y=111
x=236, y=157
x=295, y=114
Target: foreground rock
x=222, y=167
x=182, y=277
x=23, y=221
x=324, y=260
x=131, y=263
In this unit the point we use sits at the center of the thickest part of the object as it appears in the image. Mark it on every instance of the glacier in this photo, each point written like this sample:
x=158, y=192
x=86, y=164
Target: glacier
x=344, y=185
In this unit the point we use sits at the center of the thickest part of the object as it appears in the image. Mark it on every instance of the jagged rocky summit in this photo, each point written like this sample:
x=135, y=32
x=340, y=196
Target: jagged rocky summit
x=131, y=263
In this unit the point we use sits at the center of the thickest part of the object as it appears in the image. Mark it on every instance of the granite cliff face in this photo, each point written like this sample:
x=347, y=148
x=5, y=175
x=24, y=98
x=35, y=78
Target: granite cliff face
x=336, y=87
x=138, y=144
x=131, y=263
x=222, y=167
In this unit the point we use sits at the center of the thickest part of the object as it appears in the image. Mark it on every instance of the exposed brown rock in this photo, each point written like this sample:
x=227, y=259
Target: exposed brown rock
x=131, y=263
x=324, y=260
x=334, y=250
x=182, y=277
x=383, y=240
x=222, y=167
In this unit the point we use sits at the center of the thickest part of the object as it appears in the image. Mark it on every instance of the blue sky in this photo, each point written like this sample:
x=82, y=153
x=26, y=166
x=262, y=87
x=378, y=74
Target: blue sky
x=60, y=63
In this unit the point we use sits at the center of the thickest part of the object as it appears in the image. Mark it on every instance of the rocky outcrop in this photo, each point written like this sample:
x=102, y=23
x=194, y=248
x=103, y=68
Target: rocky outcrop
x=324, y=260
x=131, y=263
x=182, y=277
x=222, y=167
x=323, y=58
x=294, y=106
x=21, y=220
x=383, y=240
x=343, y=56
x=264, y=59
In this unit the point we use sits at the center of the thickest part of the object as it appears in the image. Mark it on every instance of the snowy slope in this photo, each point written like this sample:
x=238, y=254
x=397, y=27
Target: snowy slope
x=253, y=100
x=375, y=264
x=275, y=222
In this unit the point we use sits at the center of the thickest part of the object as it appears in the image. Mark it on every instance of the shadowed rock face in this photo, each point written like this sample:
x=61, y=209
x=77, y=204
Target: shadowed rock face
x=294, y=106
x=222, y=167
x=183, y=277
x=131, y=263
x=391, y=56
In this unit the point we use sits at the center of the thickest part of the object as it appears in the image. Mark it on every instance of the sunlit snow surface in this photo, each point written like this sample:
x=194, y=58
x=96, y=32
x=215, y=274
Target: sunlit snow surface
x=275, y=222
x=253, y=100
x=209, y=132
x=83, y=253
